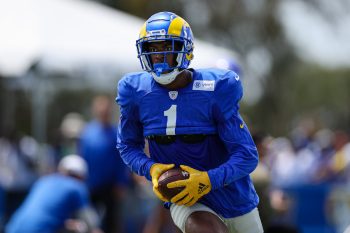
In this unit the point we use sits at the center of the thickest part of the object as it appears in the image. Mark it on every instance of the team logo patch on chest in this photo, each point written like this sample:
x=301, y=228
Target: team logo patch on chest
x=203, y=85
x=173, y=94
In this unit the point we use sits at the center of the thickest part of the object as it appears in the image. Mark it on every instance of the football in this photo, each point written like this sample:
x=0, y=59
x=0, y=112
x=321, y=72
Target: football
x=169, y=176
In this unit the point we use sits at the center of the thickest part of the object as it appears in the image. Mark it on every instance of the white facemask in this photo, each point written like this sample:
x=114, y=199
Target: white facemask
x=165, y=79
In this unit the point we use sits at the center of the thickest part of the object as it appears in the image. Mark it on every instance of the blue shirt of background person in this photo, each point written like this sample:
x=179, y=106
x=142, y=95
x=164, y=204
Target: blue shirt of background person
x=97, y=146
x=52, y=200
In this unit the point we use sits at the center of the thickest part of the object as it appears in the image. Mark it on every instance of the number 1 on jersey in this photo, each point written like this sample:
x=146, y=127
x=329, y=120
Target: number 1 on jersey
x=171, y=120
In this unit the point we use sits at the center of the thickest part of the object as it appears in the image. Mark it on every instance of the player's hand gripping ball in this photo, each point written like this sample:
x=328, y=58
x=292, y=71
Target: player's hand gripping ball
x=169, y=176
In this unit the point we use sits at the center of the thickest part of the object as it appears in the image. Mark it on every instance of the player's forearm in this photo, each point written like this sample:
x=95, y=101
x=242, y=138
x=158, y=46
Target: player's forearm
x=136, y=159
x=240, y=164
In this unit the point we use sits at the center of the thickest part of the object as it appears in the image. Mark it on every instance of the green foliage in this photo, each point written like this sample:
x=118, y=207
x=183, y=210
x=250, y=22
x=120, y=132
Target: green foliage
x=304, y=91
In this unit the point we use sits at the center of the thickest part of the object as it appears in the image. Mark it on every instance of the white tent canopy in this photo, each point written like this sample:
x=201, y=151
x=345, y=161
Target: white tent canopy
x=75, y=35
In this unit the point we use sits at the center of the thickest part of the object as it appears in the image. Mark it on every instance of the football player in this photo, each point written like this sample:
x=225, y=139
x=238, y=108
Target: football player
x=191, y=119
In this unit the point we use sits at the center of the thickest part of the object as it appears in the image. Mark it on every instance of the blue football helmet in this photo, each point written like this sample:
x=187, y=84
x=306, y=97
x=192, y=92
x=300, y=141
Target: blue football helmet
x=160, y=27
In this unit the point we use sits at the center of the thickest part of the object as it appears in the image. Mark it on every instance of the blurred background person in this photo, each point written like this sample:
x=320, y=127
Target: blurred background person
x=108, y=176
x=66, y=138
x=70, y=130
x=261, y=178
x=56, y=198
x=18, y=171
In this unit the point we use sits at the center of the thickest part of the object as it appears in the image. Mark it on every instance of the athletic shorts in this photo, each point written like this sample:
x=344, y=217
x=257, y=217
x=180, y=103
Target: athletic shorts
x=247, y=223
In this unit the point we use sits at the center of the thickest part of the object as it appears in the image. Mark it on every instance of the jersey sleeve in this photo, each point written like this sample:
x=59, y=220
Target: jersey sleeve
x=233, y=132
x=130, y=140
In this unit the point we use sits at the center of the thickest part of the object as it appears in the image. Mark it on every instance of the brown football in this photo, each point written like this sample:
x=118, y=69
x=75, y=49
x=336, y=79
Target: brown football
x=169, y=176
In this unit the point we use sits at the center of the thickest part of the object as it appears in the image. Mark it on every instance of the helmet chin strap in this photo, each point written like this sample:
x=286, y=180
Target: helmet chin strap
x=165, y=79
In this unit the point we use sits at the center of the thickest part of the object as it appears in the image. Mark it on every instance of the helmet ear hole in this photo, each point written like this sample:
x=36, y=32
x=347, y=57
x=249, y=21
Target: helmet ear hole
x=178, y=46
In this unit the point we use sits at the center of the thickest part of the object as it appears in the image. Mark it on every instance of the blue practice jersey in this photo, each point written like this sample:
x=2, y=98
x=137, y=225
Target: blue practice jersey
x=52, y=200
x=208, y=105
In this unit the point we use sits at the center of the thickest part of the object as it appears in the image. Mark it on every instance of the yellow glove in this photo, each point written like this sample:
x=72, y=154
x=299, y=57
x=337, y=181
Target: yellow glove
x=196, y=186
x=156, y=170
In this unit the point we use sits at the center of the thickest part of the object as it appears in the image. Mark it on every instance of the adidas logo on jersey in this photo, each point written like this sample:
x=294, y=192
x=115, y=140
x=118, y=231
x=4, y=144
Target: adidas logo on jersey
x=202, y=188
